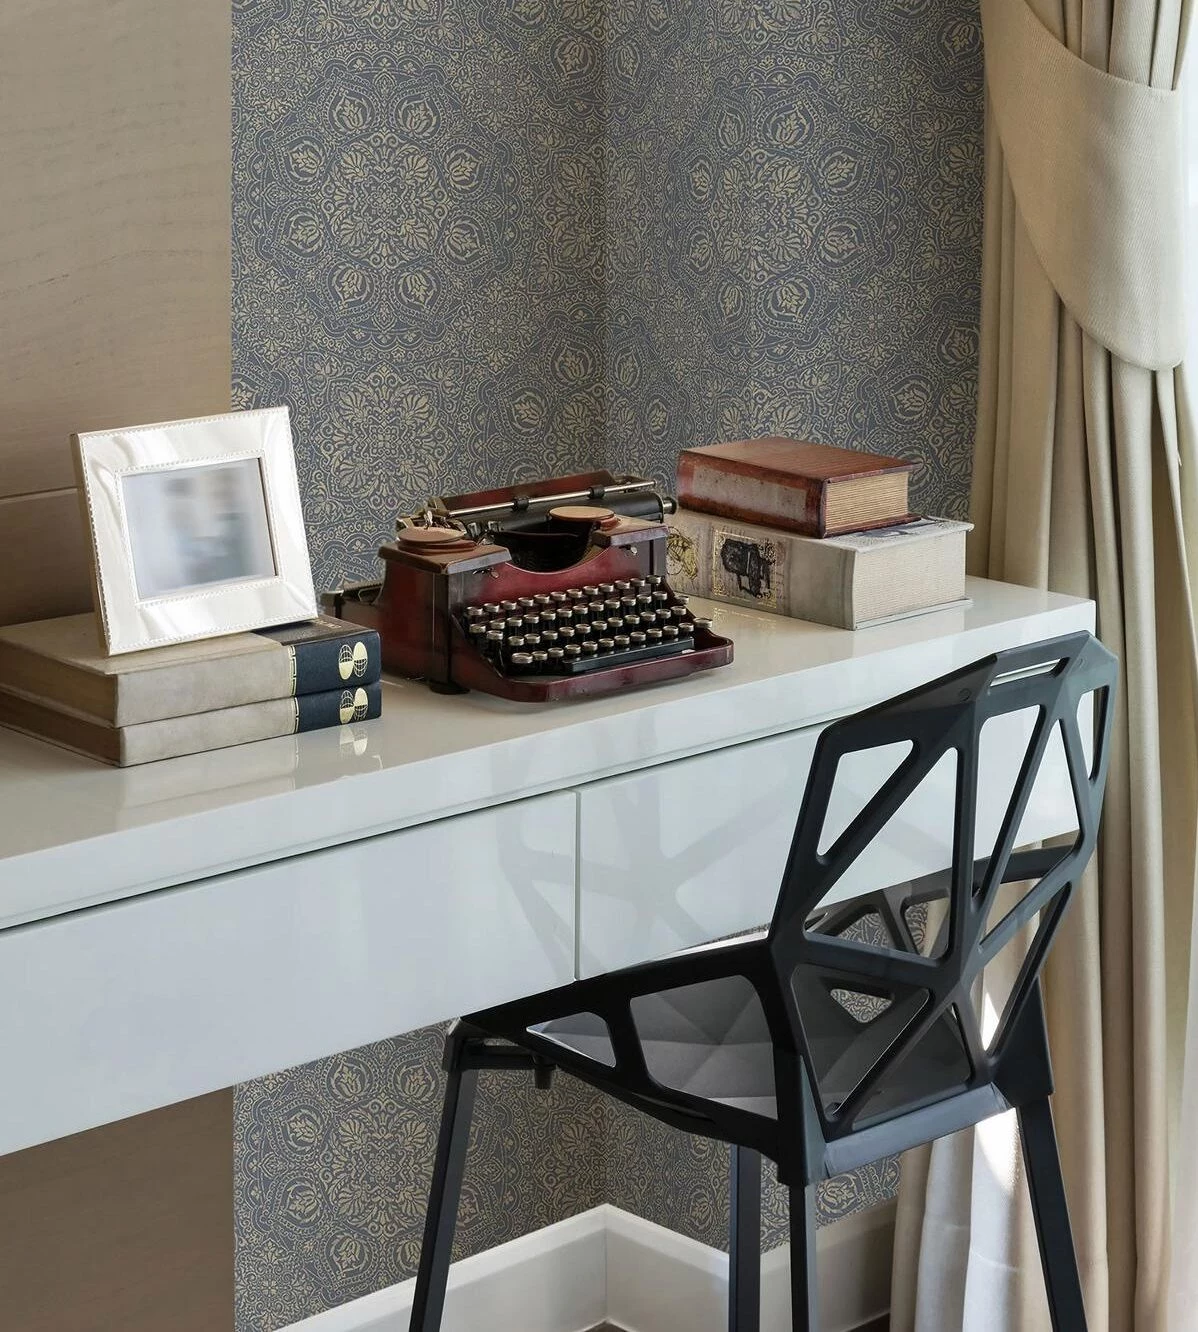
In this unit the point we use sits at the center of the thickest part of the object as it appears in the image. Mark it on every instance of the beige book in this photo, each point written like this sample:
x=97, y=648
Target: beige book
x=62, y=662
x=849, y=582
x=173, y=737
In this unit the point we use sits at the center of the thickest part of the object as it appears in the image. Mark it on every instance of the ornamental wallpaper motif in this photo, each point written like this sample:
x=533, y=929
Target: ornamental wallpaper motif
x=793, y=229
x=485, y=239
x=418, y=247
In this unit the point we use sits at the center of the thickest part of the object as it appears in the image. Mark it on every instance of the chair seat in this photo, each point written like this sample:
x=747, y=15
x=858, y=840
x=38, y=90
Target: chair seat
x=708, y=1040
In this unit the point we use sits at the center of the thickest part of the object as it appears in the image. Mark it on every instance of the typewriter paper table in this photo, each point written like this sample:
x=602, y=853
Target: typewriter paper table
x=169, y=930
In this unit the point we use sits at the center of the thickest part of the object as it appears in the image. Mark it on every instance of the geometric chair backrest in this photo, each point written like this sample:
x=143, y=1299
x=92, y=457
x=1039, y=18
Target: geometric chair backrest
x=929, y=1028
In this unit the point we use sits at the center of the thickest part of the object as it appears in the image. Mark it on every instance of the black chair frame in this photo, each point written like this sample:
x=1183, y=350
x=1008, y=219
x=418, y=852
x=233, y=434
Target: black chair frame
x=794, y=968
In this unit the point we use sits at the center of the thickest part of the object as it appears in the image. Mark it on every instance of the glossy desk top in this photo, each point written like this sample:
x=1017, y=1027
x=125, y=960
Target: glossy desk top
x=74, y=833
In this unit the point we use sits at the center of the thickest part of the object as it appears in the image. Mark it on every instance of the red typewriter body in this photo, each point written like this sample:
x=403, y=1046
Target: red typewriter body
x=551, y=590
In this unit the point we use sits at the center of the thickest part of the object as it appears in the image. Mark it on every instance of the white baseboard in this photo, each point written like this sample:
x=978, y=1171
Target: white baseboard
x=607, y=1265
x=659, y=1281
x=553, y=1280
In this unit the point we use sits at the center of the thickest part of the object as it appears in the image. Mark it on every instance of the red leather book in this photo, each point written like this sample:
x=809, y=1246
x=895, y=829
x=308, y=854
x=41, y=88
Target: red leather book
x=812, y=489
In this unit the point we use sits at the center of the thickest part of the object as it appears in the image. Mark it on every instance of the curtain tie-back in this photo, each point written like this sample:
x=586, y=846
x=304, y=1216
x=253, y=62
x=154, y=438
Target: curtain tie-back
x=1095, y=163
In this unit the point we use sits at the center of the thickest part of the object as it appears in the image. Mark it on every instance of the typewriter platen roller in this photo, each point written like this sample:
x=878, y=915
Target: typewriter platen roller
x=551, y=590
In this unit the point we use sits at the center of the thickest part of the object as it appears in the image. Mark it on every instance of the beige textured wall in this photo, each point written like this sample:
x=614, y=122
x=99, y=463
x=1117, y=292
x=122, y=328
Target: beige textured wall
x=114, y=308
x=114, y=253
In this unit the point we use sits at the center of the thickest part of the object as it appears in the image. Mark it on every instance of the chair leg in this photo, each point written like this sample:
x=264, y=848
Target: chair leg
x=744, y=1249
x=1051, y=1211
x=804, y=1287
x=450, y=1163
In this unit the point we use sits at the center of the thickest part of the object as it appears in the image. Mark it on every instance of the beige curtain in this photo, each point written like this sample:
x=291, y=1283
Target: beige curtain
x=1086, y=482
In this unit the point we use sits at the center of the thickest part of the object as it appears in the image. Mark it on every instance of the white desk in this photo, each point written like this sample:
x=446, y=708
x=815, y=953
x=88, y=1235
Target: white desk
x=169, y=930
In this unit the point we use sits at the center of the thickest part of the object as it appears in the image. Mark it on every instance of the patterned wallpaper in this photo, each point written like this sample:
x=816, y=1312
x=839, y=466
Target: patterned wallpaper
x=794, y=229
x=489, y=239
x=418, y=247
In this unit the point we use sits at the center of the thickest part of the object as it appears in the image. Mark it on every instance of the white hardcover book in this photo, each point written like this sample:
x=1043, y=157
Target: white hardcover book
x=849, y=582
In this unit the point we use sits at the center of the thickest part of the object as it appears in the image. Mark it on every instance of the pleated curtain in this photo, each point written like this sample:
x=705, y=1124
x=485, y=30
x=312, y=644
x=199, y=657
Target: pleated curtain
x=1086, y=482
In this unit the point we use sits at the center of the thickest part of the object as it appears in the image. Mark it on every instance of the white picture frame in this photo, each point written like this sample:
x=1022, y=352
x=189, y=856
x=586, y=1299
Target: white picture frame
x=197, y=528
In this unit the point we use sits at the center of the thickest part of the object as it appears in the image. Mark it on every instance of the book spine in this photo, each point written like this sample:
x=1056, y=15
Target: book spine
x=338, y=707
x=731, y=492
x=268, y=720
x=767, y=569
x=334, y=663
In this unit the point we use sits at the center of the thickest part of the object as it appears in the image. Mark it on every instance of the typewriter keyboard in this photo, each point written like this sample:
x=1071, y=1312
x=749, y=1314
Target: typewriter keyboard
x=583, y=628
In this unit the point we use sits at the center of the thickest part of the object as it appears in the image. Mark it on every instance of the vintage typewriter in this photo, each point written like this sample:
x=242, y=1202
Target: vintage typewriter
x=553, y=589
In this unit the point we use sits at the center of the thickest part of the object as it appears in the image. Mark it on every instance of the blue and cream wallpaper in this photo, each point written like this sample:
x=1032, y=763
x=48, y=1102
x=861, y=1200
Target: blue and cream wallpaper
x=793, y=229
x=418, y=247
x=482, y=240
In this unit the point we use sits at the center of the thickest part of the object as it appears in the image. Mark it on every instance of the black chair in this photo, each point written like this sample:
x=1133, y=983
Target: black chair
x=835, y=1038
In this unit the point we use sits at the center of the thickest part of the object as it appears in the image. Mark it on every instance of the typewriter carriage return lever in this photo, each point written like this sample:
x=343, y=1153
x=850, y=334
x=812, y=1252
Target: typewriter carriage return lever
x=554, y=589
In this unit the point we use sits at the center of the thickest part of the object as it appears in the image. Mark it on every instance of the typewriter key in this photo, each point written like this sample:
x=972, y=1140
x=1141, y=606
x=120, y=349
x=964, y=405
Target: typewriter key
x=653, y=635
x=490, y=608
x=514, y=624
x=510, y=606
x=474, y=612
x=494, y=638
x=681, y=600
x=532, y=640
x=614, y=624
x=565, y=615
x=522, y=659
x=543, y=599
x=590, y=590
x=660, y=598
x=582, y=628
x=599, y=626
x=589, y=649
x=559, y=598
x=628, y=602
x=595, y=607
x=622, y=584
x=678, y=612
x=540, y=658
x=573, y=652
x=516, y=642
x=656, y=580
x=644, y=599
x=531, y=621
x=669, y=633
x=621, y=641
x=631, y=621
x=556, y=655
x=606, y=644
x=637, y=638
x=573, y=593
x=495, y=624
x=566, y=632
x=549, y=617
x=527, y=603
x=477, y=629
x=612, y=605
x=549, y=636
x=607, y=588
x=702, y=622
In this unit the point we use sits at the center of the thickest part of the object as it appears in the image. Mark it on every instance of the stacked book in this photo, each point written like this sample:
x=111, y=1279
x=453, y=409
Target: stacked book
x=812, y=532
x=57, y=683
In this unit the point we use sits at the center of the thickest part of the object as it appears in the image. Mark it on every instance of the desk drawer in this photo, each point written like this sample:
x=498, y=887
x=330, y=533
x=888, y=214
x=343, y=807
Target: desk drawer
x=121, y=1008
x=692, y=851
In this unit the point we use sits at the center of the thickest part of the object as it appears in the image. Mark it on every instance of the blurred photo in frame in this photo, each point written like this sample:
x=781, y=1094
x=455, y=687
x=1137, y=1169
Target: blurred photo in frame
x=197, y=528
